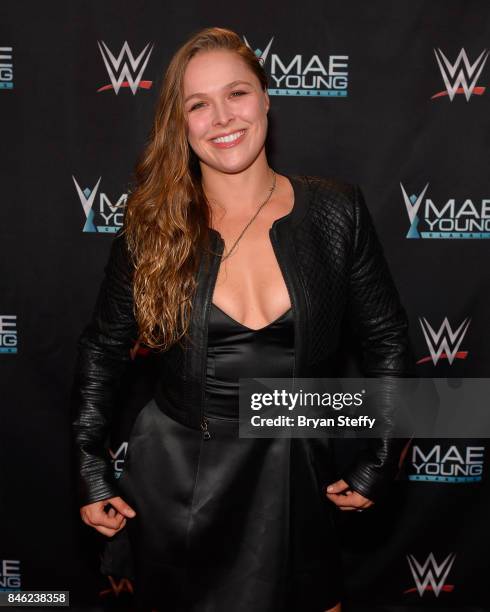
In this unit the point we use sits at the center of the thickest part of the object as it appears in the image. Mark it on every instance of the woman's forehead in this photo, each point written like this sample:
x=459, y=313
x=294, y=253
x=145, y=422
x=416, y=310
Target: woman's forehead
x=208, y=71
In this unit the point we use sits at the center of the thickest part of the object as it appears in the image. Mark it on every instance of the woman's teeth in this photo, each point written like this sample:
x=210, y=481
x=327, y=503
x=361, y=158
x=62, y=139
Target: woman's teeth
x=230, y=137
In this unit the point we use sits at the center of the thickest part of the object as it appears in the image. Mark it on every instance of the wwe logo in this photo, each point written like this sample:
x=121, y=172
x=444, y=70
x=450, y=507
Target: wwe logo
x=412, y=204
x=117, y=587
x=125, y=70
x=262, y=55
x=460, y=77
x=440, y=342
x=431, y=576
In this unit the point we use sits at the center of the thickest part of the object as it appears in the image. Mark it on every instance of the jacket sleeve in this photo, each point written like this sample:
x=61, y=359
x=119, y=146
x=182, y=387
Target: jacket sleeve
x=378, y=319
x=103, y=355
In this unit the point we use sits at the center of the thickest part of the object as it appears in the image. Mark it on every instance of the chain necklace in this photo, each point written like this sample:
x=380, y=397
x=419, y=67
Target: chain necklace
x=223, y=257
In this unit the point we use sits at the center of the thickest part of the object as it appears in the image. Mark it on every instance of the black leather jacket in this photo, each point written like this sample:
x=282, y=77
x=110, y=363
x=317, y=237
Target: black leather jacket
x=334, y=269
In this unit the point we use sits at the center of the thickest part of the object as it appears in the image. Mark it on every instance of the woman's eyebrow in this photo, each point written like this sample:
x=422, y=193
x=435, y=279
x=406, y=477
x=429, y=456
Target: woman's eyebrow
x=202, y=95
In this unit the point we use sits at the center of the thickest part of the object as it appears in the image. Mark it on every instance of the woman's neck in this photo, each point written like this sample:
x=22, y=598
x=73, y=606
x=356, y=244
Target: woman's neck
x=242, y=191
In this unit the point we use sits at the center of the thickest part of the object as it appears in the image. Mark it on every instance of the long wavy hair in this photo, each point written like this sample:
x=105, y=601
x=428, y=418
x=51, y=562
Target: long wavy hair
x=167, y=214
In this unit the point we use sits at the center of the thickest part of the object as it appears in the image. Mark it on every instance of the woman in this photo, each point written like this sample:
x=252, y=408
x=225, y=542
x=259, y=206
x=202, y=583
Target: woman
x=228, y=269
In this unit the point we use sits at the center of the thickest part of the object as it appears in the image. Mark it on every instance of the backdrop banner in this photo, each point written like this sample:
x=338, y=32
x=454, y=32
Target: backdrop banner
x=391, y=96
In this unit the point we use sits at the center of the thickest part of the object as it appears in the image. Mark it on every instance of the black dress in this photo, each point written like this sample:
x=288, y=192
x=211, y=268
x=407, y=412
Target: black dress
x=227, y=523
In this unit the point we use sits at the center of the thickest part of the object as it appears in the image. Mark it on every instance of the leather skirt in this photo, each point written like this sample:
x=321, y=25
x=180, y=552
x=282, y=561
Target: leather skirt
x=226, y=523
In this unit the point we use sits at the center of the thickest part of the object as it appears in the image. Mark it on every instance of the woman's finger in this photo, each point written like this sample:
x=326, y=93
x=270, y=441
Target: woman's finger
x=112, y=523
x=354, y=501
x=121, y=506
x=340, y=500
x=336, y=487
x=102, y=519
x=106, y=531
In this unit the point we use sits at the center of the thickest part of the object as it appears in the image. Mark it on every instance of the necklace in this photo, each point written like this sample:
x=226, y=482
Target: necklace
x=223, y=257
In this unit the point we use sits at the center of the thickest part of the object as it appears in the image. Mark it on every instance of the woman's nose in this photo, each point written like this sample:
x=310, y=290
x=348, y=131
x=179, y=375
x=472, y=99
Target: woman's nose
x=222, y=114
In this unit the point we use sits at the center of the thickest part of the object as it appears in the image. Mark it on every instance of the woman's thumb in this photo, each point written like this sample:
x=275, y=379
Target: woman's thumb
x=336, y=487
x=121, y=506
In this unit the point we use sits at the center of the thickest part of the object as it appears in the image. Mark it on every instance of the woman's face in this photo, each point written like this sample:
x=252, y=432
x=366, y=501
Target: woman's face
x=223, y=100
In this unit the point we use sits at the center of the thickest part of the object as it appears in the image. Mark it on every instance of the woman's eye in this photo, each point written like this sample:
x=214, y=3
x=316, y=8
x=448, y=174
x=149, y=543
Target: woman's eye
x=233, y=93
x=196, y=106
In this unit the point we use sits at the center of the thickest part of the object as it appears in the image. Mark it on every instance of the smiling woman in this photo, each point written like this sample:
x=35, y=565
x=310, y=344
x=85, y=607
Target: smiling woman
x=227, y=269
x=229, y=113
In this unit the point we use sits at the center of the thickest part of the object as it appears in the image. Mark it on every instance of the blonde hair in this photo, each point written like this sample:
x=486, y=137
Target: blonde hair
x=167, y=215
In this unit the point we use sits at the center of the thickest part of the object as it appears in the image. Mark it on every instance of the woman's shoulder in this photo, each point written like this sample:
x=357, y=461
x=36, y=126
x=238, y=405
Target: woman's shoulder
x=329, y=186
x=333, y=196
x=120, y=261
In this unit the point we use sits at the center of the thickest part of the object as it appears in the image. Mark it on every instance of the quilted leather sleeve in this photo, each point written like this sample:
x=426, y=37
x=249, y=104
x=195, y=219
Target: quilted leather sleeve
x=103, y=355
x=380, y=322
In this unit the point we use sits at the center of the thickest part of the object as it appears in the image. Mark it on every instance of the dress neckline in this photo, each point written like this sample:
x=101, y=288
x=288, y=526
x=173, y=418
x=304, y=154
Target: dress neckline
x=251, y=329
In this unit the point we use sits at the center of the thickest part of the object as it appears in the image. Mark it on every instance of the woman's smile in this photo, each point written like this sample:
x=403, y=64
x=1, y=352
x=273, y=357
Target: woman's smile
x=231, y=140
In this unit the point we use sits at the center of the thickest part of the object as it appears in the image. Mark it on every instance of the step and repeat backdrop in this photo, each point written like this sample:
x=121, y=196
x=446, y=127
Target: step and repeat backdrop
x=393, y=96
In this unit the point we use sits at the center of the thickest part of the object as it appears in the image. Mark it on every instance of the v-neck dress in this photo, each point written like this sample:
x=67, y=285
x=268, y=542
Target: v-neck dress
x=231, y=524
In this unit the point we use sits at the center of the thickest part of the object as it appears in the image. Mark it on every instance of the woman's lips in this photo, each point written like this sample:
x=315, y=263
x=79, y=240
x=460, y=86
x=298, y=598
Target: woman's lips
x=232, y=143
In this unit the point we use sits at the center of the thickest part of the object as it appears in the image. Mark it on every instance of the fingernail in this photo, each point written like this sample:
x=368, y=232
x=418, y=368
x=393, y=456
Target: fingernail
x=131, y=513
x=329, y=489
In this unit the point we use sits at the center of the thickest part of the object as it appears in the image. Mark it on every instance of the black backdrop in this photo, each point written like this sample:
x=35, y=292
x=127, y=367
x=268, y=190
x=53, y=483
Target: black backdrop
x=354, y=89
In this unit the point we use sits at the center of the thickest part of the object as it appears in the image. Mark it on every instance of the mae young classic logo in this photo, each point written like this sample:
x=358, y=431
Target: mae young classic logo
x=449, y=220
x=444, y=343
x=461, y=76
x=102, y=215
x=6, y=68
x=125, y=70
x=431, y=575
x=117, y=457
x=453, y=464
x=304, y=76
x=9, y=575
x=8, y=334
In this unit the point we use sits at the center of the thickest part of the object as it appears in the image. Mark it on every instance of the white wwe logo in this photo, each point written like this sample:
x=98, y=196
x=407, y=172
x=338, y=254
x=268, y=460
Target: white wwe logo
x=440, y=342
x=456, y=79
x=430, y=573
x=125, y=70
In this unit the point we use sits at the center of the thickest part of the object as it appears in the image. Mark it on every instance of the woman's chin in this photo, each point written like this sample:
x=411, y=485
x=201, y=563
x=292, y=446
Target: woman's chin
x=228, y=168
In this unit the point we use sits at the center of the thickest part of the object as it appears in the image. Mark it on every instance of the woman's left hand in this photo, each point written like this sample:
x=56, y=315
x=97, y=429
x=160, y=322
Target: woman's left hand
x=345, y=498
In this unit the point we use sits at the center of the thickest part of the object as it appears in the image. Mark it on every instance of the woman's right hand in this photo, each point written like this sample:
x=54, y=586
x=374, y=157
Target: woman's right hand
x=107, y=523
